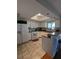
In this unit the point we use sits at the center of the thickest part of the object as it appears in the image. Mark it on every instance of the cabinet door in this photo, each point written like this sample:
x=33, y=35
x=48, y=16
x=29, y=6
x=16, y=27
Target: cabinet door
x=47, y=45
x=25, y=33
x=34, y=24
x=19, y=34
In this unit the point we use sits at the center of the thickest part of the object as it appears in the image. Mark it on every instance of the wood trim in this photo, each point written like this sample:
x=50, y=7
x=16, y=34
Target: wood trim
x=46, y=56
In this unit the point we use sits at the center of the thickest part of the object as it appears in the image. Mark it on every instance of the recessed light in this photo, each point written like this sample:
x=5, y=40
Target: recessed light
x=39, y=14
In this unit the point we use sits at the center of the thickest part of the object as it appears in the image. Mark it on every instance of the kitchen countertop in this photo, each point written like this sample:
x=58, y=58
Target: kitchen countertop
x=43, y=34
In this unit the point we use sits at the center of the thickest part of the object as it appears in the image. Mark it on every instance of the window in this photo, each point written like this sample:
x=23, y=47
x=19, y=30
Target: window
x=51, y=25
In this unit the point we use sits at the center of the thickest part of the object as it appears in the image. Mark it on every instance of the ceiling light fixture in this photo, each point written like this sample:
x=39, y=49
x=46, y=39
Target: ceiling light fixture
x=39, y=17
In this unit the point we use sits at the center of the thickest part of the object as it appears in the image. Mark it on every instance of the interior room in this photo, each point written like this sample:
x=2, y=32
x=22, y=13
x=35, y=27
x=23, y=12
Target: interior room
x=38, y=29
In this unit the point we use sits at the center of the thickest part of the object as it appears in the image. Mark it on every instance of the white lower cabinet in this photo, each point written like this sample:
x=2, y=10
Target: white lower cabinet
x=23, y=34
x=47, y=45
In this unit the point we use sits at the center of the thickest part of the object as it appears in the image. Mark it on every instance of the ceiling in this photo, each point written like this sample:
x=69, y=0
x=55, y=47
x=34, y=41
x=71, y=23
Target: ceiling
x=56, y=4
x=53, y=5
x=29, y=8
